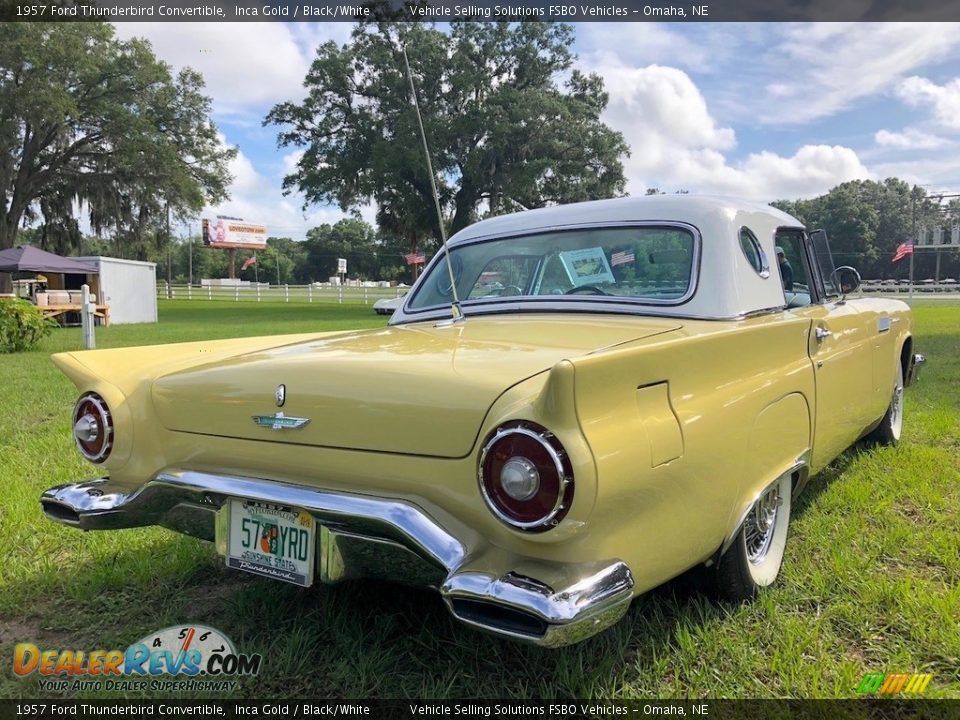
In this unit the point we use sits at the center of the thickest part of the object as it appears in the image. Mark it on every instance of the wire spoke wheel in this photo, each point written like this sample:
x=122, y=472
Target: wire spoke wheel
x=754, y=557
x=760, y=523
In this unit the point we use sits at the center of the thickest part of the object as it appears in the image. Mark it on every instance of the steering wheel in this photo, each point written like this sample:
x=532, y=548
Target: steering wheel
x=589, y=289
x=511, y=291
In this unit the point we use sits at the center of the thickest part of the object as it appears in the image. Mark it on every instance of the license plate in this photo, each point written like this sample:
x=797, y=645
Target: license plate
x=272, y=540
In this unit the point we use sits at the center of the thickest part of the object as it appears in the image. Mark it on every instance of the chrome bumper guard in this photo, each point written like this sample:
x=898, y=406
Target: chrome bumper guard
x=913, y=369
x=362, y=536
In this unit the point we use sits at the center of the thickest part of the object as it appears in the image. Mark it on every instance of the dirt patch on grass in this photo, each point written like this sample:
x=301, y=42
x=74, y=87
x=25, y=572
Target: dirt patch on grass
x=31, y=629
x=908, y=509
x=208, y=600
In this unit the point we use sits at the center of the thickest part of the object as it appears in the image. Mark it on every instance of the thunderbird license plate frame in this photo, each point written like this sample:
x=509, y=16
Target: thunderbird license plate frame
x=272, y=541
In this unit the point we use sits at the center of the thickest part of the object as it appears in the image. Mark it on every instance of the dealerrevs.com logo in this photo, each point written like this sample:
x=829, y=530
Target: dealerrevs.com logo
x=178, y=658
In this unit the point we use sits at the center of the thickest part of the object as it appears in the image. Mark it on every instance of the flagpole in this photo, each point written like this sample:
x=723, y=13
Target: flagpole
x=911, y=276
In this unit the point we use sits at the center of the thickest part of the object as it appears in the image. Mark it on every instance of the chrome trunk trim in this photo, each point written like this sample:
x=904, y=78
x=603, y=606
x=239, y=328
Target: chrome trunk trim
x=363, y=536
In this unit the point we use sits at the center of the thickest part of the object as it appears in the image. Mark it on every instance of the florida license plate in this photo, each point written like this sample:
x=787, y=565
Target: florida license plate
x=274, y=541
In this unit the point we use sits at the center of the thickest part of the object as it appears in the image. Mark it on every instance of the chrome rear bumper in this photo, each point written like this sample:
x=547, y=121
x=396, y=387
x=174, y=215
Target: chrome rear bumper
x=362, y=536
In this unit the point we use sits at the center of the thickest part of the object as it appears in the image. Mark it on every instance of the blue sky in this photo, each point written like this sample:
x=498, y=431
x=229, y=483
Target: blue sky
x=758, y=110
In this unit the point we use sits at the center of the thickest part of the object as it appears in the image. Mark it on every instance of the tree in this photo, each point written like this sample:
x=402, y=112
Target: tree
x=350, y=238
x=866, y=220
x=503, y=135
x=87, y=118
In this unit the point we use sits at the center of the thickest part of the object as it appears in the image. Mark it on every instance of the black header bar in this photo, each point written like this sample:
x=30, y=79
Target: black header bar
x=478, y=10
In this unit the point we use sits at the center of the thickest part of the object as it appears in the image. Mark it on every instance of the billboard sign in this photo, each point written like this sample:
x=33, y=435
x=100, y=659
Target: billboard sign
x=342, y=266
x=228, y=233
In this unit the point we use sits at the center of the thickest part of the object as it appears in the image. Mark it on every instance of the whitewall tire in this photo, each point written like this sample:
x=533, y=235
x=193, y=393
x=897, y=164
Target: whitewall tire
x=754, y=558
x=889, y=430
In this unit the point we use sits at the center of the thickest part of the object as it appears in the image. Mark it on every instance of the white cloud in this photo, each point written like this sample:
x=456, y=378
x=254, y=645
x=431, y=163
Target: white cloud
x=677, y=144
x=290, y=161
x=664, y=99
x=943, y=99
x=644, y=43
x=258, y=198
x=909, y=139
x=814, y=71
x=247, y=66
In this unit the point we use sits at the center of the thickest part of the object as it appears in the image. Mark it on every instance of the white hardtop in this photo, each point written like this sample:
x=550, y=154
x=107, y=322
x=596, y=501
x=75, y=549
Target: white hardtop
x=728, y=286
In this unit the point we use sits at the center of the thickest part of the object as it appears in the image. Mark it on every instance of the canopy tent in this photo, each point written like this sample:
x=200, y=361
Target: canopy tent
x=31, y=259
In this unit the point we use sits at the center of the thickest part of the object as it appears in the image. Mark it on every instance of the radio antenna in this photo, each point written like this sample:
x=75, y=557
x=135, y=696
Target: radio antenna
x=455, y=305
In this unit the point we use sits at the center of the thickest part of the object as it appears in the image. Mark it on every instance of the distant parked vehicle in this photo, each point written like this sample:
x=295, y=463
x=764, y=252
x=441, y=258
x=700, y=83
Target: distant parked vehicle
x=387, y=306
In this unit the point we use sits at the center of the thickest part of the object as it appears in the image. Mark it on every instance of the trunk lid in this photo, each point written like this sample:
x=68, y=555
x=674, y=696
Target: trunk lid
x=414, y=389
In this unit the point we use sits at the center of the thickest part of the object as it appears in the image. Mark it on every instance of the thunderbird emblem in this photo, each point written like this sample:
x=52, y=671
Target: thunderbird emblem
x=280, y=421
x=281, y=395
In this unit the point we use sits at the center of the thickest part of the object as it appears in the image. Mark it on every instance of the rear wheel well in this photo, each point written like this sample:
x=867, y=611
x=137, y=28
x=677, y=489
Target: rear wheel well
x=906, y=354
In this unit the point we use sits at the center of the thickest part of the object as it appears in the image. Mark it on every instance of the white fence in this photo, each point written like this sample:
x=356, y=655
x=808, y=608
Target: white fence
x=279, y=293
x=369, y=295
x=903, y=286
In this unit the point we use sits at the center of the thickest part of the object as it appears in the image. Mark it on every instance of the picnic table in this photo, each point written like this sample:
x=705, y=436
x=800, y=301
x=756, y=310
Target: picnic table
x=58, y=311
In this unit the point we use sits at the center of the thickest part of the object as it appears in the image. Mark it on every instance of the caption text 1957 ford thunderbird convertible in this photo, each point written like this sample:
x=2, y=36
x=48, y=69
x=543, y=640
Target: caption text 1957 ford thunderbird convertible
x=637, y=387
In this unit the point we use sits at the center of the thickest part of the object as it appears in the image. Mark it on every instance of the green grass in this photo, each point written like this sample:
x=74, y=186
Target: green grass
x=871, y=581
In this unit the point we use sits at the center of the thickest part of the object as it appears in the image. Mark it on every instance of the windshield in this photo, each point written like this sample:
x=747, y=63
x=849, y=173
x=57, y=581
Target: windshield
x=640, y=264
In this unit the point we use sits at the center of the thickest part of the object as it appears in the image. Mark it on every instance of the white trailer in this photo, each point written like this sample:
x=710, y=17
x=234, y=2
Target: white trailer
x=129, y=287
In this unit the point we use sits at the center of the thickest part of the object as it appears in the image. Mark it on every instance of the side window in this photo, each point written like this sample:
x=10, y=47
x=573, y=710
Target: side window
x=754, y=253
x=793, y=268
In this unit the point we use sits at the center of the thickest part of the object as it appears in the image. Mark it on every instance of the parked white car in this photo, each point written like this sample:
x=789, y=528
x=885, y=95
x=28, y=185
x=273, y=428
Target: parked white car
x=387, y=306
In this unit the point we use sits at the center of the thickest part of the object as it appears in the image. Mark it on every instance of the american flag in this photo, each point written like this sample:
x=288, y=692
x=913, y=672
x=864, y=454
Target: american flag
x=903, y=249
x=621, y=258
x=415, y=258
x=252, y=260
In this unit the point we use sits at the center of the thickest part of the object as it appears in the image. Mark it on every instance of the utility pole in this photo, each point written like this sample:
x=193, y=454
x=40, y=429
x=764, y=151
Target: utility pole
x=190, y=251
x=913, y=239
x=169, y=254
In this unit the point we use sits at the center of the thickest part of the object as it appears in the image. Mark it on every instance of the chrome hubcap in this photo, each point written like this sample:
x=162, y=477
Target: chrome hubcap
x=760, y=524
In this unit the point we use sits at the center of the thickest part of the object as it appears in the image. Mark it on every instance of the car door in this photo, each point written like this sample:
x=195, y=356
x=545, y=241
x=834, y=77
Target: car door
x=840, y=348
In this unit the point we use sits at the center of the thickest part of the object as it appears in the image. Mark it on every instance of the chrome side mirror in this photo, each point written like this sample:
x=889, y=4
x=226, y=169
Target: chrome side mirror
x=846, y=280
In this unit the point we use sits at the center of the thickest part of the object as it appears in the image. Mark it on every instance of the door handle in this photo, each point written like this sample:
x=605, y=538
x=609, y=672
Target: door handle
x=822, y=334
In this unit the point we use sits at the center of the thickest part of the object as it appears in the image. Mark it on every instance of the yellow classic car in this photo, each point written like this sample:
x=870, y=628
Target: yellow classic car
x=572, y=406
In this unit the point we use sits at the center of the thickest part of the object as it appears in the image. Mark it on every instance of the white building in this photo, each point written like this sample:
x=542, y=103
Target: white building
x=129, y=287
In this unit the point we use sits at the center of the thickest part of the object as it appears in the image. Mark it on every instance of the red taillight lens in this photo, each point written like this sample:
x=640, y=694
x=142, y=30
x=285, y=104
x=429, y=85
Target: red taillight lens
x=525, y=477
x=93, y=428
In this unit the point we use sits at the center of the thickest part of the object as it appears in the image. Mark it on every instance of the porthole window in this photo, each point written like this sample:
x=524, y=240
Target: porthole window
x=754, y=253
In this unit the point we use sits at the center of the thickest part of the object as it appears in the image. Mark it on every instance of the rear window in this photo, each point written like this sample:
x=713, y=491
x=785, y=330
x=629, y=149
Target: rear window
x=641, y=264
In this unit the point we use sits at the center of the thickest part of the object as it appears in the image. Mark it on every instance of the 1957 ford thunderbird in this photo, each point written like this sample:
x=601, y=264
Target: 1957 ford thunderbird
x=635, y=388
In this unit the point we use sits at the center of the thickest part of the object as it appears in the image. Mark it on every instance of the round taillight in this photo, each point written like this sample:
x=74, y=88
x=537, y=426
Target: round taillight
x=93, y=428
x=525, y=477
